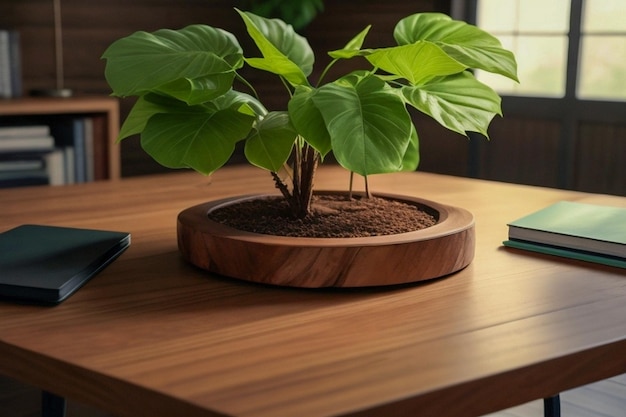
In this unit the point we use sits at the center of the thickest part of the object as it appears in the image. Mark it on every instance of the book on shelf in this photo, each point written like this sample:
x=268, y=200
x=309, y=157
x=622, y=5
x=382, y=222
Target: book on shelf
x=69, y=144
x=68, y=164
x=89, y=148
x=5, y=65
x=22, y=169
x=588, y=232
x=10, y=64
x=22, y=152
x=21, y=164
x=54, y=163
x=72, y=132
x=20, y=131
x=52, y=167
x=26, y=144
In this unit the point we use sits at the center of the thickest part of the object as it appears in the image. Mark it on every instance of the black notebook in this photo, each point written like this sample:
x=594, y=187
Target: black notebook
x=46, y=264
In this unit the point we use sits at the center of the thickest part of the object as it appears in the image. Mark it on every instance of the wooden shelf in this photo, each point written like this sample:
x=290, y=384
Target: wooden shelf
x=103, y=109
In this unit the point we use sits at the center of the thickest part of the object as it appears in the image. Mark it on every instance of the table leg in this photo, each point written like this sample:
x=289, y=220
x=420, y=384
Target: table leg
x=552, y=406
x=52, y=405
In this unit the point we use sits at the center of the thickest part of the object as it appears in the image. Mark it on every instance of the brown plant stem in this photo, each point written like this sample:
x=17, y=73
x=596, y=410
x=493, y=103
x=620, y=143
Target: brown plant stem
x=281, y=186
x=305, y=167
x=309, y=163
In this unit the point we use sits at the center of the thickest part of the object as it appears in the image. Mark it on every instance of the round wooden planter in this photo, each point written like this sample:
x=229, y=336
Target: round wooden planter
x=436, y=251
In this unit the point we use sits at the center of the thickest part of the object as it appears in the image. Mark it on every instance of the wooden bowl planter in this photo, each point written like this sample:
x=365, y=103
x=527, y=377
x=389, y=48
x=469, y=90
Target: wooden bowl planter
x=433, y=252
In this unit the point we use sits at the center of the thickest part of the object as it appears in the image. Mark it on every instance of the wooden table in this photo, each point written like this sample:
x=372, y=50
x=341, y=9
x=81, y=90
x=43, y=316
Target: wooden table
x=154, y=336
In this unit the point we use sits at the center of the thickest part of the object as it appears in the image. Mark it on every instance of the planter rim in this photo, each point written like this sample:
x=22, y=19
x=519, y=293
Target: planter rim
x=401, y=258
x=450, y=220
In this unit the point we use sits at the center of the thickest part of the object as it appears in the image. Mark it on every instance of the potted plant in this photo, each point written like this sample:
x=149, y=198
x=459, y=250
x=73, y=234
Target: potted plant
x=191, y=113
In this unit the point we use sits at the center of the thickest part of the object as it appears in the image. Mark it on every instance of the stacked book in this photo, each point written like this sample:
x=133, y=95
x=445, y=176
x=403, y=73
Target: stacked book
x=588, y=232
x=55, y=154
x=23, y=154
x=10, y=64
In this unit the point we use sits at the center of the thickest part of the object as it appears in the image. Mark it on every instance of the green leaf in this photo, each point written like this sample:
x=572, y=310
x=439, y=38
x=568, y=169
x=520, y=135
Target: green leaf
x=465, y=43
x=369, y=126
x=242, y=102
x=308, y=120
x=150, y=104
x=411, y=159
x=198, y=137
x=270, y=143
x=146, y=61
x=199, y=90
x=458, y=102
x=353, y=47
x=138, y=117
x=417, y=62
x=285, y=53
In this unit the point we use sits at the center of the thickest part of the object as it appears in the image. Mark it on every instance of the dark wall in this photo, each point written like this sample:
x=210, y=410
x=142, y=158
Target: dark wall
x=531, y=144
x=89, y=26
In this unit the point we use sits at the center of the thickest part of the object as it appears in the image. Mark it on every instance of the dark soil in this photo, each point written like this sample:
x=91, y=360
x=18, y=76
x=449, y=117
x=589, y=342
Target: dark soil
x=332, y=216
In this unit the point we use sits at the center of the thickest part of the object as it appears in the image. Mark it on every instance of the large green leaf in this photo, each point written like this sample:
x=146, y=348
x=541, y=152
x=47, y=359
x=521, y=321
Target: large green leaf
x=369, y=126
x=411, y=159
x=270, y=142
x=146, y=61
x=138, y=117
x=200, y=137
x=199, y=90
x=308, y=120
x=464, y=42
x=150, y=104
x=459, y=102
x=285, y=53
x=353, y=47
x=242, y=102
x=417, y=62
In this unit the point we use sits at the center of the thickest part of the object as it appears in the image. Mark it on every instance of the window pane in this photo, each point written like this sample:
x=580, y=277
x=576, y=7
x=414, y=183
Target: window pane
x=548, y=16
x=509, y=16
x=497, y=16
x=541, y=66
x=602, y=68
x=604, y=16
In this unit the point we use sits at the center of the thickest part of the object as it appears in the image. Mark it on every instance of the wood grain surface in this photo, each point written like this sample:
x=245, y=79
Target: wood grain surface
x=433, y=252
x=152, y=335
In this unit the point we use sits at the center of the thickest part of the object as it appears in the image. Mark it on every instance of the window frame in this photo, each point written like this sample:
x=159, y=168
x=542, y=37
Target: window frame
x=569, y=109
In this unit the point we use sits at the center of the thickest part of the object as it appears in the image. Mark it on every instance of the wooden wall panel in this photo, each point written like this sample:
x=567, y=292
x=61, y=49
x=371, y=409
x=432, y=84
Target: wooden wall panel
x=525, y=147
x=600, y=159
x=89, y=26
x=521, y=150
x=441, y=150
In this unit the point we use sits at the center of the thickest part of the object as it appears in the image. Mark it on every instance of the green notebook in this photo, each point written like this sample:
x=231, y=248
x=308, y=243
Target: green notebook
x=46, y=264
x=588, y=232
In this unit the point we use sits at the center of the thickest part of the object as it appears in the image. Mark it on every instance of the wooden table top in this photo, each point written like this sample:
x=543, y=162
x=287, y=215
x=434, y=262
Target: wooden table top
x=153, y=336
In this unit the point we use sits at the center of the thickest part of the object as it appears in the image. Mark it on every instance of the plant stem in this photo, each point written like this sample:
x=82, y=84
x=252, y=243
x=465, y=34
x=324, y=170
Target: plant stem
x=247, y=84
x=319, y=81
x=306, y=160
x=309, y=167
x=351, y=183
x=281, y=186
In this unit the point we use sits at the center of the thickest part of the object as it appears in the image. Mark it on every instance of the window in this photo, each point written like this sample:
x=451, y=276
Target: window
x=603, y=50
x=563, y=47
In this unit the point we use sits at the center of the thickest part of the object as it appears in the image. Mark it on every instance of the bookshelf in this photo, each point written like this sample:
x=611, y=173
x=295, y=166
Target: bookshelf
x=99, y=114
